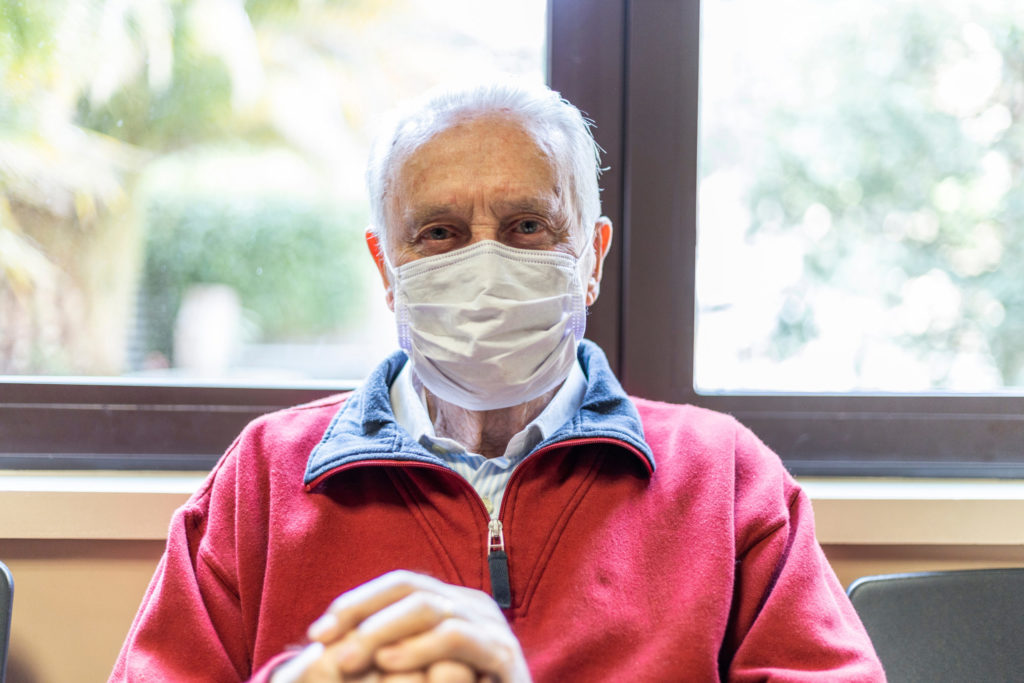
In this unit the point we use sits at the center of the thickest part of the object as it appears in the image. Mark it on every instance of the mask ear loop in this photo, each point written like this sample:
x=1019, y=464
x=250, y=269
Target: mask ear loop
x=578, y=319
x=578, y=316
x=401, y=310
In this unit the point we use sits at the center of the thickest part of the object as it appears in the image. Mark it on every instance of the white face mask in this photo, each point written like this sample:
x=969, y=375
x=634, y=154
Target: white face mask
x=490, y=326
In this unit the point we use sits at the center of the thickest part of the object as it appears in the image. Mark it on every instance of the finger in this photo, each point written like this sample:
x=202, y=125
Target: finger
x=300, y=667
x=331, y=670
x=412, y=615
x=355, y=605
x=404, y=677
x=485, y=650
x=365, y=677
x=450, y=672
x=317, y=664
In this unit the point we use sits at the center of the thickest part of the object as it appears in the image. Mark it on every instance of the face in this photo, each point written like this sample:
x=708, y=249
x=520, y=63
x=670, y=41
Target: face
x=483, y=179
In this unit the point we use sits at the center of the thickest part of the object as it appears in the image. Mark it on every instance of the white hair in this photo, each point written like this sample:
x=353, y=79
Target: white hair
x=557, y=126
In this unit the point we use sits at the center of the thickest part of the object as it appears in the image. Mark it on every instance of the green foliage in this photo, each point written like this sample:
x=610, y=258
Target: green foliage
x=261, y=10
x=876, y=153
x=137, y=82
x=196, y=108
x=24, y=30
x=292, y=263
x=193, y=108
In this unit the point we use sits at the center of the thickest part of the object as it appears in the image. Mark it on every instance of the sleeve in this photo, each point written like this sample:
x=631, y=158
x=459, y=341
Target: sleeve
x=792, y=621
x=190, y=626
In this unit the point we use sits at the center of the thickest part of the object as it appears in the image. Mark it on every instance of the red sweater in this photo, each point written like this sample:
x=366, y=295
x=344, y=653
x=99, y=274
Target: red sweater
x=704, y=568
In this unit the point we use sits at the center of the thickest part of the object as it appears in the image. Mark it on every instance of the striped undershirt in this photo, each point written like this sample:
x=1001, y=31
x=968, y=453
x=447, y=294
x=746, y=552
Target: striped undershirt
x=488, y=476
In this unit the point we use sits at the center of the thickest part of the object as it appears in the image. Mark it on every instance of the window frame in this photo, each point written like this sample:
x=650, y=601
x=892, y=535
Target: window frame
x=633, y=67
x=118, y=423
x=821, y=434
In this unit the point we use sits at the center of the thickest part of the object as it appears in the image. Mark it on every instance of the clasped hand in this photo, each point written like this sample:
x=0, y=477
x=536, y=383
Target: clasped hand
x=404, y=627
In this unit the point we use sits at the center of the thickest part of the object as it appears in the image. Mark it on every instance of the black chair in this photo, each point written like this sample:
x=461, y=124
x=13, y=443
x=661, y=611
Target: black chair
x=945, y=626
x=6, y=601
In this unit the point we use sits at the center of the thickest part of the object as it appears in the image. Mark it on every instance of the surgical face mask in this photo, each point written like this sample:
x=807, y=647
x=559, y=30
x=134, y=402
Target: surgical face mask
x=490, y=326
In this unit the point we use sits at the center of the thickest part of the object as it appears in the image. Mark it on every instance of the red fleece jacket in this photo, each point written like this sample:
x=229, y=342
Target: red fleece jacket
x=706, y=569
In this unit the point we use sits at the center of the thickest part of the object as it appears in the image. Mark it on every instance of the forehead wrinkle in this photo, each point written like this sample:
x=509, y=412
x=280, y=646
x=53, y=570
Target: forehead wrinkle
x=530, y=204
x=424, y=214
x=435, y=188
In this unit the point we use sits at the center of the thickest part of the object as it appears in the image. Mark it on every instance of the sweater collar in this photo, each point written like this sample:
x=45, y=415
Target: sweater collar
x=365, y=429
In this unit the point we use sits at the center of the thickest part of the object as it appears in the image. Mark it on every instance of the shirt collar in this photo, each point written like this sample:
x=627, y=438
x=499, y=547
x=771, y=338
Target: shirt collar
x=409, y=404
x=364, y=428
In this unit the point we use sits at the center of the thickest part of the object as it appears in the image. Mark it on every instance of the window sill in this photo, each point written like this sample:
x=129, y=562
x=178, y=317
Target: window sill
x=138, y=506
x=874, y=511
x=95, y=505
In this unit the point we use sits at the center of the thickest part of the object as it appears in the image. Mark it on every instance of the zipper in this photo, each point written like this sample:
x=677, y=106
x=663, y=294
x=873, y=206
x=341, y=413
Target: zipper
x=497, y=557
x=497, y=564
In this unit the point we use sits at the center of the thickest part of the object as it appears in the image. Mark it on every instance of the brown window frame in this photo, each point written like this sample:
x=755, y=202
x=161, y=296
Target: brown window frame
x=651, y=332
x=632, y=65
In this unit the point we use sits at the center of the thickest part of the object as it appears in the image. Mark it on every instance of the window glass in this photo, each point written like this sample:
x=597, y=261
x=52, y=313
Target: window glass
x=861, y=218
x=181, y=181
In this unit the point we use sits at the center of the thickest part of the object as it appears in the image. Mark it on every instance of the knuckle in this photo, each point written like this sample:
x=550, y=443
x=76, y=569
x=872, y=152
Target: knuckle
x=503, y=653
x=338, y=603
x=400, y=577
x=410, y=582
x=476, y=594
x=421, y=606
x=455, y=635
x=442, y=606
x=504, y=657
x=484, y=601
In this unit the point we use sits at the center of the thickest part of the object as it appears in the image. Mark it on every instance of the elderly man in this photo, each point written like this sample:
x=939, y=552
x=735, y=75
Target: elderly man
x=490, y=505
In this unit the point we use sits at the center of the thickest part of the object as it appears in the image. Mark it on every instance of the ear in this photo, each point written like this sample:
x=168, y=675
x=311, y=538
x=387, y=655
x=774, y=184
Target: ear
x=376, y=251
x=602, y=242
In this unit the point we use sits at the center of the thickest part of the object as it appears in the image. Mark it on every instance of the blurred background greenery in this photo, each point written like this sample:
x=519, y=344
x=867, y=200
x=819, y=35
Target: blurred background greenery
x=183, y=177
x=862, y=206
x=154, y=152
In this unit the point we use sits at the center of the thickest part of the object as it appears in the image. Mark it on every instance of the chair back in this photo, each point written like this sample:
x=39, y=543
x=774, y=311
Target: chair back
x=945, y=626
x=6, y=603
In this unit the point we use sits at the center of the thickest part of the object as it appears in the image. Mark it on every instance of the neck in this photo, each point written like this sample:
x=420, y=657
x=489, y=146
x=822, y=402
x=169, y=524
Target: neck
x=486, y=432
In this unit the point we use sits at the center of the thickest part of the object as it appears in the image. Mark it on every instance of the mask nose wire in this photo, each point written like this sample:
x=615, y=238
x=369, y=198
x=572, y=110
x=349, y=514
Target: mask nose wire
x=580, y=275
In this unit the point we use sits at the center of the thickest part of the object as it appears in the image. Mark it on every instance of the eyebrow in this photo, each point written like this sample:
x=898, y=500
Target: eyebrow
x=425, y=214
x=527, y=205
x=431, y=212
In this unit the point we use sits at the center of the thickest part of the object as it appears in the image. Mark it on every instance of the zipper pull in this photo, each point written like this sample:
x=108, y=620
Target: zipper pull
x=497, y=562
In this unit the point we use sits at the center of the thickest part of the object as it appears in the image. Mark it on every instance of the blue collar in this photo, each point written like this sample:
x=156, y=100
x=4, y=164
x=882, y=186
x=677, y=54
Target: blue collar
x=365, y=428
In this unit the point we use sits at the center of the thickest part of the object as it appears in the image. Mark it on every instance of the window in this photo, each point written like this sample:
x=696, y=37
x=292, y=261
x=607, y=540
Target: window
x=858, y=209
x=634, y=67
x=182, y=207
x=183, y=195
x=825, y=433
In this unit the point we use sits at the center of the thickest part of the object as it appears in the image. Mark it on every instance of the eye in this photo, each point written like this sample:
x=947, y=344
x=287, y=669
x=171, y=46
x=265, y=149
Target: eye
x=437, y=236
x=436, y=233
x=529, y=226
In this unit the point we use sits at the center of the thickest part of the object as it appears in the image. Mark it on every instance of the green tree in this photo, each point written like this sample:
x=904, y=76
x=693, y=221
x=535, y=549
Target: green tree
x=95, y=94
x=905, y=147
